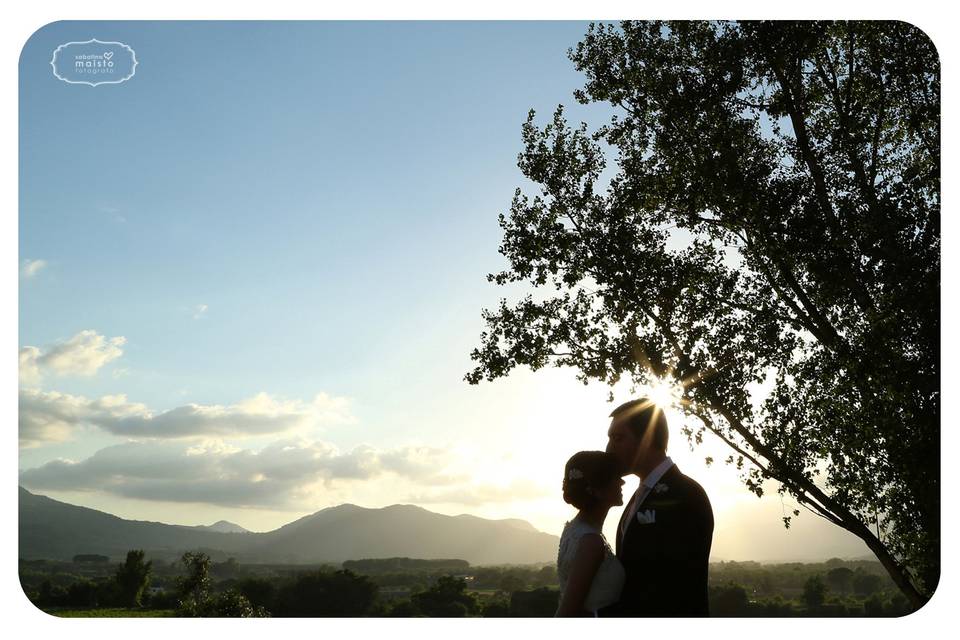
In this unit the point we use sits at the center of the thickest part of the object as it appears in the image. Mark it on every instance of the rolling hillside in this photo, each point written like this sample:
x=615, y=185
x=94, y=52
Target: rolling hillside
x=57, y=530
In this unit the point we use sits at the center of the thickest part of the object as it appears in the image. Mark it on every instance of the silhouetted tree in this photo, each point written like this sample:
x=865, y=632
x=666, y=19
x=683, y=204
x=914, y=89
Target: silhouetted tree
x=133, y=577
x=227, y=569
x=447, y=598
x=537, y=603
x=194, y=587
x=403, y=608
x=511, y=582
x=728, y=600
x=725, y=252
x=233, y=604
x=865, y=584
x=814, y=592
x=495, y=607
x=47, y=594
x=102, y=592
x=547, y=576
x=326, y=594
x=840, y=579
x=259, y=591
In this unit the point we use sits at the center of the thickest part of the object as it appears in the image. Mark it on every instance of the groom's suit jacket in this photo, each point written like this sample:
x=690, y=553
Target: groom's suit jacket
x=665, y=551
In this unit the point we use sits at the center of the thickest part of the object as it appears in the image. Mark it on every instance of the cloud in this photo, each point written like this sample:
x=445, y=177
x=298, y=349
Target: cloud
x=200, y=311
x=475, y=495
x=29, y=368
x=83, y=354
x=30, y=268
x=283, y=474
x=50, y=416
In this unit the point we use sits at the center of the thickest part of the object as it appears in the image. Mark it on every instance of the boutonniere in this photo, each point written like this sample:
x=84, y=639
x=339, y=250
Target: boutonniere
x=660, y=487
x=647, y=517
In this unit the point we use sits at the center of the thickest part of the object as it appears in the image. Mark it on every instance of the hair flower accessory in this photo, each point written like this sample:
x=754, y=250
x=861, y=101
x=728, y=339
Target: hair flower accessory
x=574, y=474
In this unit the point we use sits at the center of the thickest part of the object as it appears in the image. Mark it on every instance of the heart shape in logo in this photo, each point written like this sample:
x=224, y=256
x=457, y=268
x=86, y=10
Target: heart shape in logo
x=108, y=55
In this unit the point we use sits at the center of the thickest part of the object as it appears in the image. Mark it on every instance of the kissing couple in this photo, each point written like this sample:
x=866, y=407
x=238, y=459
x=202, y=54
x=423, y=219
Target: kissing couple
x=663, y=541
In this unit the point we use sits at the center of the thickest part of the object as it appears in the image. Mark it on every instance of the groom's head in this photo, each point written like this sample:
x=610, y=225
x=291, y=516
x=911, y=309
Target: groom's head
x=637, y=435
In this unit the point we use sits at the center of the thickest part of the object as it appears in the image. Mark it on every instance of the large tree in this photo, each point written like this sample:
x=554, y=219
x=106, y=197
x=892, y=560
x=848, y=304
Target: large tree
x=195, y=588
x=772, y=224
x=133, y=578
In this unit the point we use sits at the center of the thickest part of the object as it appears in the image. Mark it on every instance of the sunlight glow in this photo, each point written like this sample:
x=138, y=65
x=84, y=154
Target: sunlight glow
x=664, y=393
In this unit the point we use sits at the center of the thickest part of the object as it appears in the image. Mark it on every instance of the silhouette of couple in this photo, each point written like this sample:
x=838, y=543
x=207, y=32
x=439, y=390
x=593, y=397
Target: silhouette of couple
x=664, y=536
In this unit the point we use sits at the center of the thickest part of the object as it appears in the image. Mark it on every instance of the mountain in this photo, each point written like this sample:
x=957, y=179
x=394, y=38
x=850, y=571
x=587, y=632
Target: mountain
x=221, y=526
x=56, y=530
x=352, y=532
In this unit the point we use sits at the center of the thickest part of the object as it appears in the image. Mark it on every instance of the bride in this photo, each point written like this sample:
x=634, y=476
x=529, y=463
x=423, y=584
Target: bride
x=591, y=576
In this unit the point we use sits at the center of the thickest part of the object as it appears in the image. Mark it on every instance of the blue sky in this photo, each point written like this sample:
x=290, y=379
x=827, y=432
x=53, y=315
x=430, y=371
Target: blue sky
x=309, y=178
x=293, y=221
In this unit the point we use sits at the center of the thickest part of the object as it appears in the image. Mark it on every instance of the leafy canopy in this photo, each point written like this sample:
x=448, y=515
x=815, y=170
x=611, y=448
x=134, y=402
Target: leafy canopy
x=769, y=238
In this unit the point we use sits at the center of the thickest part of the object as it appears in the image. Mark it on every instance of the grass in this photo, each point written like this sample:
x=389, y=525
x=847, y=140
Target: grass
x=112, y=613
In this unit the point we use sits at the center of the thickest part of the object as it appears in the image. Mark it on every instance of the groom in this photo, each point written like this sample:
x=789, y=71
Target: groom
x=664, y=536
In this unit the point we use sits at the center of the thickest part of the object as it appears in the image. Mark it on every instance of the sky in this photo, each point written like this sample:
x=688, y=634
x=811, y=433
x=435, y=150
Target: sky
x=251, y=277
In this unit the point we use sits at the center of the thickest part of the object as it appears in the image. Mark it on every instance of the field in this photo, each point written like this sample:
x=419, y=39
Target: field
x=113, y=613
x=403, y=587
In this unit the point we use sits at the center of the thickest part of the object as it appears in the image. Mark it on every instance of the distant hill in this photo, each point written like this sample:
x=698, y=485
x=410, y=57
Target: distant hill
x=221, y=526
x=56, y=530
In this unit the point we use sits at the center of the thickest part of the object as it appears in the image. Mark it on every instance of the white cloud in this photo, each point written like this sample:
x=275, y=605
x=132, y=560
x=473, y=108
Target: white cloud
x=83, y=354
x=200, y=311
x=30, y=268
x=283, y=474
x=518, y=490
x=29, y=369
x=50, y=416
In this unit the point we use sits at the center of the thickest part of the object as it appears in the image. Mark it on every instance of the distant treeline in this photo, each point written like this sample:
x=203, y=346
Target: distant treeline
x=405, y=587
x=380, y=566
x=835, y=588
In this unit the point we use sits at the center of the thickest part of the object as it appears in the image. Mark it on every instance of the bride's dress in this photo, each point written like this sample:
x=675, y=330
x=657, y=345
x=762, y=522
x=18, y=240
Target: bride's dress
x=607, y=584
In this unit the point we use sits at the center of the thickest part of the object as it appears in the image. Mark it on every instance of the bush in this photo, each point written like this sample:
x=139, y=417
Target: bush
x=83, y=593
x=259, y=591
x=496, y=607
x=776, y=608
x=539, y=603
x=233, y=604
x=873, y=606
x=447, y=598
x=728, y=600
x=899, y=606
x=403, y=609
x=324, y=594
x=165, y=599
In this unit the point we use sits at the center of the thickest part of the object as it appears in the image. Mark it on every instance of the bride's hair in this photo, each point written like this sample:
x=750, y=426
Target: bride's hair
x=585, y=471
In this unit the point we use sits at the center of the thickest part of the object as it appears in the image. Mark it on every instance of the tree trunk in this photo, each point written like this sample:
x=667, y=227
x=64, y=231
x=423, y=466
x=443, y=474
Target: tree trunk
x=843, y=517
x=897, y=572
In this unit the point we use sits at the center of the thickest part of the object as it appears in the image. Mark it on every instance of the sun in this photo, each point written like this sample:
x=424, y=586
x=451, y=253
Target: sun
x=664, y=393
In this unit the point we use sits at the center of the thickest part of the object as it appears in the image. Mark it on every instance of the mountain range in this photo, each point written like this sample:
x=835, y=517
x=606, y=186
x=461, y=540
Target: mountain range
x=50, y=529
